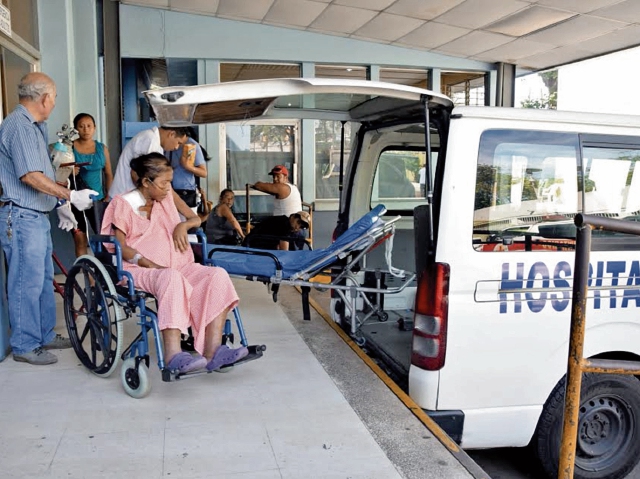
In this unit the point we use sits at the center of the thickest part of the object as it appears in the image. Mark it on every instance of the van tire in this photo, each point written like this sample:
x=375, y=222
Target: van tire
x=610, y=408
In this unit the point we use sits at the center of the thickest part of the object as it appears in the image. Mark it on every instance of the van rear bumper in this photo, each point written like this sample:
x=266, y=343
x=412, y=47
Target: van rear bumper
x=451, y=422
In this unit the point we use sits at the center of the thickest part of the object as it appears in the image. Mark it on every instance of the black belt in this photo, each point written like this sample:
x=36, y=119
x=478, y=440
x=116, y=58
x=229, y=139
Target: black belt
x=183, y=192
x=12, y=203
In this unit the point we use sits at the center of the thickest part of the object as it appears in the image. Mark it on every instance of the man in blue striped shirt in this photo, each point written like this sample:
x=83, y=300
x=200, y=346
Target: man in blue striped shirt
x=29, y=193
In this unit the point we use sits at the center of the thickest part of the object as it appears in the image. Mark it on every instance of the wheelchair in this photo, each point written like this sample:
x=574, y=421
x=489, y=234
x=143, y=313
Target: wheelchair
x=96, y=305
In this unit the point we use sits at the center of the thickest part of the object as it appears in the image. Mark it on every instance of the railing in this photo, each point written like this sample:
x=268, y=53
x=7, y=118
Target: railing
x=577, y=364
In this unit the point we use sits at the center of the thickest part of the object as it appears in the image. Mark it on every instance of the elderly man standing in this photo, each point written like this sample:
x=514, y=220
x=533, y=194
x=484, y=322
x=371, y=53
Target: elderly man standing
x=29, y=193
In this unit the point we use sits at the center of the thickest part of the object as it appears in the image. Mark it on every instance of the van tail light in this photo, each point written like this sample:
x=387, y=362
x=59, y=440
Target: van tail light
x=430, y=321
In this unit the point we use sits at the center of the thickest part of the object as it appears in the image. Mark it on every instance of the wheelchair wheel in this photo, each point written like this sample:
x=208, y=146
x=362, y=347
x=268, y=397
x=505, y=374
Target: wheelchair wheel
x=93, y=317
x=135, y=381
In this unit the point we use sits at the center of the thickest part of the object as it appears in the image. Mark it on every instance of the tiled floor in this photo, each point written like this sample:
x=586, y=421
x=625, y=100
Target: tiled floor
x=279, y=417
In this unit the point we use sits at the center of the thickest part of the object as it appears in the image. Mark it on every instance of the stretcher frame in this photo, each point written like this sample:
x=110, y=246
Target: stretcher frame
x=345, y=283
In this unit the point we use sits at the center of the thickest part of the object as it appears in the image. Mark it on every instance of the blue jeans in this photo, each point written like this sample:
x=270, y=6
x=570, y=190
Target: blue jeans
x=28, y=249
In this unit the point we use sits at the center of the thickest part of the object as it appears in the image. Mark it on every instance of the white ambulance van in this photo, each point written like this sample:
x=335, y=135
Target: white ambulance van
x=494, y=251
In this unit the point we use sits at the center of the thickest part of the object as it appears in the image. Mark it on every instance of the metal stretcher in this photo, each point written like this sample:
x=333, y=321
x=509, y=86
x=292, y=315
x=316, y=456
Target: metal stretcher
x=306, y=268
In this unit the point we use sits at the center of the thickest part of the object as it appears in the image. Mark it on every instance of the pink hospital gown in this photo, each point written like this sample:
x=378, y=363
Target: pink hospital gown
x=188, y=294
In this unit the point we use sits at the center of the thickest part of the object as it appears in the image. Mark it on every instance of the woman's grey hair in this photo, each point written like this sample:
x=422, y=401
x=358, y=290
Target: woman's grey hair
x=33, y=88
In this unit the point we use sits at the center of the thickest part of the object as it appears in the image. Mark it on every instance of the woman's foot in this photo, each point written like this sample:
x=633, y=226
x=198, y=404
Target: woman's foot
x=186, y=363
x=225, y=356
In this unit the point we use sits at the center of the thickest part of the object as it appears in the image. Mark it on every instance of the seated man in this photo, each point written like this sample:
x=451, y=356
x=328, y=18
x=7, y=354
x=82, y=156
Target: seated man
x=271, y=233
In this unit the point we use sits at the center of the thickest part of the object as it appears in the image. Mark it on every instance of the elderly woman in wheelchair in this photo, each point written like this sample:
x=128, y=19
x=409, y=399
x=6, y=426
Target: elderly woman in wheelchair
x=155, y=256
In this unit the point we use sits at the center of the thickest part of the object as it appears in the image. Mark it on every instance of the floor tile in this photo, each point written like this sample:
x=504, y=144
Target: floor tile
x=226, y=447
x=134, y=453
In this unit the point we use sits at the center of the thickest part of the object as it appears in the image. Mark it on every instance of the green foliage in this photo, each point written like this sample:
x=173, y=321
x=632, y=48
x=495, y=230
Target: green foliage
x=266, y=135
x=547, y=102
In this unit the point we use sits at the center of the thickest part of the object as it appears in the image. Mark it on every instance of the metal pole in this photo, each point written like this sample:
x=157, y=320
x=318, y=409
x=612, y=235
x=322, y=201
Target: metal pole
x=247, y=193
x=576, y=346
x=427, y=169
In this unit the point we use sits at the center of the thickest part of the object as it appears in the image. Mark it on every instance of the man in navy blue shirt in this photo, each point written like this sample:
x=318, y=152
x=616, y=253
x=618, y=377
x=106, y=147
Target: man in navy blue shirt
x=29, y=193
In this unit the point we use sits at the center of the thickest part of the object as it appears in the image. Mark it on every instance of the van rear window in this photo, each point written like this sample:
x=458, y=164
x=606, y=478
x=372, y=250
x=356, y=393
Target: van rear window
x=527, y=191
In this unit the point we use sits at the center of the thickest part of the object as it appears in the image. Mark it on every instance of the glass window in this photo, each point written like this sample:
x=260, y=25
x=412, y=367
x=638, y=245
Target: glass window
x=464, y=88
x=253, y=149
x=399, y=180
x=612, y=190
x=328, y=133
x=328, y=138
x=257, y=71
x=341, y=71
x=526, y=191
x=405, y=76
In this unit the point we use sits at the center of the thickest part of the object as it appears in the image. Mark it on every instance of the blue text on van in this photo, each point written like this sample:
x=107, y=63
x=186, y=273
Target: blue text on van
x=540, y=275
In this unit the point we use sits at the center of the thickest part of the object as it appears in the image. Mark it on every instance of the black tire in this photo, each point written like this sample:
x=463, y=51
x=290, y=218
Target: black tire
x=608, y=445
x=93, y=318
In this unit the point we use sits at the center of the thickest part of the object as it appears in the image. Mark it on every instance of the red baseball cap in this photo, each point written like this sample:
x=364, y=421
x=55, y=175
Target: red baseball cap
x=279, y=169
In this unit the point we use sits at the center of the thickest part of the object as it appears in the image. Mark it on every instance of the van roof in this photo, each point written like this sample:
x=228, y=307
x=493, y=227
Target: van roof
x=311, y=98
x=550, y=116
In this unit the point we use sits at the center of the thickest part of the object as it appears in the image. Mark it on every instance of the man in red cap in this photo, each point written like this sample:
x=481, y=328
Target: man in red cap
x=287, y=197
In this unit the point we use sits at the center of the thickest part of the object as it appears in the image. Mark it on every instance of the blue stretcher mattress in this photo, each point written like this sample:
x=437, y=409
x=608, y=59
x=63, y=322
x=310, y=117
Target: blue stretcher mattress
x=245, y=263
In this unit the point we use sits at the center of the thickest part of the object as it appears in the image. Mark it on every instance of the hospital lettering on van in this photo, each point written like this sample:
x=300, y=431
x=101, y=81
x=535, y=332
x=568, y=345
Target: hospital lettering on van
x=614, y=284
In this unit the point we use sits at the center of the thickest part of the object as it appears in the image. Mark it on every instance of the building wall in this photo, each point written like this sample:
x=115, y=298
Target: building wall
x=155, y=33
x=68, y=44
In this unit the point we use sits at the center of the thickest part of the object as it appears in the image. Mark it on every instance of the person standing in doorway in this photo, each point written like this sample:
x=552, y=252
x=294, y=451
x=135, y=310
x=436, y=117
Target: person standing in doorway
x=29, y=193
x=95, y=174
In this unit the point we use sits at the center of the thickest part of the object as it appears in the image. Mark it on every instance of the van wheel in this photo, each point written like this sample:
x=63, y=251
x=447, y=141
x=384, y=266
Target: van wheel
x=608, y=445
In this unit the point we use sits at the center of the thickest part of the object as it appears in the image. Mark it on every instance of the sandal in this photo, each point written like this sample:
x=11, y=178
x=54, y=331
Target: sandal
x=186, y=363
x=225, y=356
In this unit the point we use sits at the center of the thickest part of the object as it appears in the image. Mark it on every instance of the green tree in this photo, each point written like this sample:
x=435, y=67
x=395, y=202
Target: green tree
x=549, y=101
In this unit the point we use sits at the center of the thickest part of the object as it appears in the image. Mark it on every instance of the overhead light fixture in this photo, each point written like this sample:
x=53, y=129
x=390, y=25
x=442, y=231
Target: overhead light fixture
x=529, y=20
x=349, y=69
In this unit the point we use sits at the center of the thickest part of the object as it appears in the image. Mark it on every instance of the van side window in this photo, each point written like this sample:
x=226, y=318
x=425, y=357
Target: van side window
x=526, y=192
x=399, y=179
x=612, y=190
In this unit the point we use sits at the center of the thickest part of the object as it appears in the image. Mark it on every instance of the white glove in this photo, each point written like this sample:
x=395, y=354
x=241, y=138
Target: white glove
x=66, y=220
x=82, y=199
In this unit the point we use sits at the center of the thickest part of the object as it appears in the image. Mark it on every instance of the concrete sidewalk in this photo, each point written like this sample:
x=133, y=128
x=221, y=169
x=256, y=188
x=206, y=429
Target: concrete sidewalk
x=282, y=416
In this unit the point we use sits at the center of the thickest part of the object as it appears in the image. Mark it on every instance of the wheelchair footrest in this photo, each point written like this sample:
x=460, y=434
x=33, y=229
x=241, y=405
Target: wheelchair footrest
x=256, y=351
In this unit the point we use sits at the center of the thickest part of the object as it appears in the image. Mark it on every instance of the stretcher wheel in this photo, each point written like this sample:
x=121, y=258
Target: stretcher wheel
x=93, y=317
x=360, y=340
x=135, y=381
x=383, y=316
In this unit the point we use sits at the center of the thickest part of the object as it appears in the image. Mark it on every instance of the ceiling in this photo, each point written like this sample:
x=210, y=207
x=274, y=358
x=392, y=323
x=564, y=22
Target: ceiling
x=532, y=34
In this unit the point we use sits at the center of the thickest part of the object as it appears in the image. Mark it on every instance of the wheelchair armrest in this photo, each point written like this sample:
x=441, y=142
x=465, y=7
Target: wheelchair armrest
x=103, y=239
x=200, y=247
x=115, y=258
